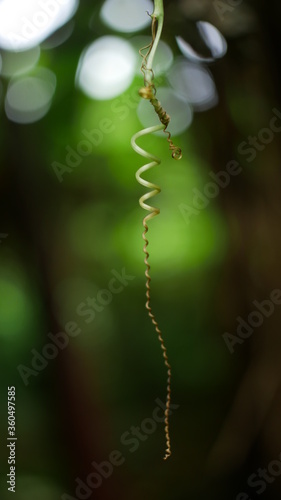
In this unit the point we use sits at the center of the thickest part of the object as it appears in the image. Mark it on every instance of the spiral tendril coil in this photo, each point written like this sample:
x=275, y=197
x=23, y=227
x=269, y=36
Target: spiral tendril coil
x=148, y=91
x=153, y=211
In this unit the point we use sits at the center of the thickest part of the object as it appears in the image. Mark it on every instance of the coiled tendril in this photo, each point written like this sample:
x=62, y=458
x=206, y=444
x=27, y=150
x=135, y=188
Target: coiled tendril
x=148, y=91
x=153, y=211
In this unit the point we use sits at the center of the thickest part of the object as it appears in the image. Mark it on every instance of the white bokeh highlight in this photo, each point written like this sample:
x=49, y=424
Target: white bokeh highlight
x=26, y=23
x=195, y=83
x=29, y=98
x=212, y=38
x=106, y=68
x=190, y=53
x=126, y=16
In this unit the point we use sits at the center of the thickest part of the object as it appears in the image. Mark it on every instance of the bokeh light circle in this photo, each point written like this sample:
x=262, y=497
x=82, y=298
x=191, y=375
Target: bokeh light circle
x=212, y=38
x=126, y=16
x=106, y=68
x=25, y=24
x=195, y=83
x=29, y=98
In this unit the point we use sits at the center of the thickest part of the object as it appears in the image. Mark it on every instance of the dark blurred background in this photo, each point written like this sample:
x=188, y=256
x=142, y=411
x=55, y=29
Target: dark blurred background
x=70, y=221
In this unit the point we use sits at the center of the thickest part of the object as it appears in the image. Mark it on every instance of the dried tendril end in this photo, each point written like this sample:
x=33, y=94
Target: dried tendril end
x=177, y=154
x=146, y=93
